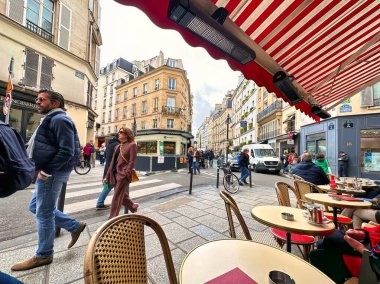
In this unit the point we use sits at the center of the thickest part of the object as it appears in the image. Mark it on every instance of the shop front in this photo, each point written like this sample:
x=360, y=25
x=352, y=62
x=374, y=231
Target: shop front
x=356, y=135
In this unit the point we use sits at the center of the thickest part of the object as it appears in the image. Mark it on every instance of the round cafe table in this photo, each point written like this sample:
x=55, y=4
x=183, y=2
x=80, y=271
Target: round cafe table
x=213, y=259
x=270, y=215
x=325, y=199
x=327, y=188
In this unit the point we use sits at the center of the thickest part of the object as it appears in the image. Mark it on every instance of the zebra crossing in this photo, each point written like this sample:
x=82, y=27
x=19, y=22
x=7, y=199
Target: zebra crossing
x=82, y=191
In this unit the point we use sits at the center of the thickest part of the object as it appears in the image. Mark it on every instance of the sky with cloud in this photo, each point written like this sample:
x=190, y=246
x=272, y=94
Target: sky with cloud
x=127, y=32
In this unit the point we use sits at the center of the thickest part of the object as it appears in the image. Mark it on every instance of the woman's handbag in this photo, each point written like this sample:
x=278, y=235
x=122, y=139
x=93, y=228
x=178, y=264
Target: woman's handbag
x=134, y=176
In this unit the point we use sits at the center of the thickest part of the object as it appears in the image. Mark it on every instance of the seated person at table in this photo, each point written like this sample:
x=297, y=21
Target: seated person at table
x=309, y=171
x=364, y=215
x=339, y=255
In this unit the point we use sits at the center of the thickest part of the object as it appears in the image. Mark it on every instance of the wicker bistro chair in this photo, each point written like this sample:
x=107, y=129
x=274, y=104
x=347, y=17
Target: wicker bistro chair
x=303, y=242
x=116, y=252
x=232, y=209
x=295, y=177
x=304, y=187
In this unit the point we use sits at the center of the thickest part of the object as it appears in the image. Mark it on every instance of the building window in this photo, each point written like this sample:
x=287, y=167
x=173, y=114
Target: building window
x=135, y=92
x=115, y=129
x=171, y=103
x=172, y=63
x=40, y=13
x=117, y=99
x=133, y=109
x=109, y=129
x=316, y=143
x=142, y=124
x=95, y=103
x=145, y=88
x=370, y=150
x=155, y=105
x=113, y=76
x=38, y=70
x=148, y=147
x=125, y=95
x=107, y=77
x=117, y=114
x=370, y=96
x=109, y=116
x=155, y=125
x=103, y=117
x=111, y=90
x=124, y=112
x=169, y=148
x=143, y=107
x=105, y=91
x=170, y=123
x=110, y=103
x=157, y=84
x=102, y=130
x=104, y=103
x=172, y=84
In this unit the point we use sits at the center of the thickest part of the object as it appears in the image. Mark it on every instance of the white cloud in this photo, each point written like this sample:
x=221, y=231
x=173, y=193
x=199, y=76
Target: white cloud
x=127, y=32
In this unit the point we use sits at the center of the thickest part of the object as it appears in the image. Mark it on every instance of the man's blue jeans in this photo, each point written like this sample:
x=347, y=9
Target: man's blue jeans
x=244, y=173
x=196, y=166
x=43, y=205
x=103, y=195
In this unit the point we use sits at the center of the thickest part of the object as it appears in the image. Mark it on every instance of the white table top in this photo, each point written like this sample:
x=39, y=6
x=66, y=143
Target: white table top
x=325, y=199
x=215, y=258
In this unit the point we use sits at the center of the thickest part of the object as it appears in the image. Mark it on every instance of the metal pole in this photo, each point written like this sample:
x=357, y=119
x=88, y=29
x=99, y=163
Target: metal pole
x=217, y=177
x=61, y=205
x=250, y=175
x=191, y=179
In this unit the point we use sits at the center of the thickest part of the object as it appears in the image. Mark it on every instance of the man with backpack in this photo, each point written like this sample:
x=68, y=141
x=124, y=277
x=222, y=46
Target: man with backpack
x=55, y=149
x=243, y=161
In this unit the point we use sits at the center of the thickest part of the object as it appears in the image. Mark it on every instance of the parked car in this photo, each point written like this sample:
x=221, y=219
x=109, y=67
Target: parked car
x=235, y=167
x=263, y=158
x=221, y=161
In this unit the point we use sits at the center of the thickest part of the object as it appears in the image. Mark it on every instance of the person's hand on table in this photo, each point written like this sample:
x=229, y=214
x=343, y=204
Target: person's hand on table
x=356, y=245
x=356, y=234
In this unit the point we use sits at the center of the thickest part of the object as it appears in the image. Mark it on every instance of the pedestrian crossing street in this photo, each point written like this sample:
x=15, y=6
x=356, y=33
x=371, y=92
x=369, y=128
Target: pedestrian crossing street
x=82, y=191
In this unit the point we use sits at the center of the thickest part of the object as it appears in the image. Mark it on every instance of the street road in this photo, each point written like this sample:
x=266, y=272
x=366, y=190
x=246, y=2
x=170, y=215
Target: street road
x=83, y=191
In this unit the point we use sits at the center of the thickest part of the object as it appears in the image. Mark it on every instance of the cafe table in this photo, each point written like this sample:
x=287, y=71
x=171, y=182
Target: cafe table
x=270, y=215
x=326, y=199
x=218, y=260
x=327, y=188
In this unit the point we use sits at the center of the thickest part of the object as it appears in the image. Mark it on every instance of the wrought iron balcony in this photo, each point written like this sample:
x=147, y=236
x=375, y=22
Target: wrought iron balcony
x=171, y=110
x=269, y=135
x=276, y=106
x=41, y=32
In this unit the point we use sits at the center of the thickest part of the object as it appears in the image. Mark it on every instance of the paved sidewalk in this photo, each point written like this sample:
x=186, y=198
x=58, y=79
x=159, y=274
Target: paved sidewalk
x=188, y=221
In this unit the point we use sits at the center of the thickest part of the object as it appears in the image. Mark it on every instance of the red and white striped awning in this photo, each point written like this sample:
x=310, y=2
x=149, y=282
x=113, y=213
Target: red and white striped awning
x=331, y=47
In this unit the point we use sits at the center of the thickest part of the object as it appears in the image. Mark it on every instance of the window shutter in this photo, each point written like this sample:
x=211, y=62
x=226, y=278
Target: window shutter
x=97, y=61
x=64, y=27
x=16, y=10
x=367, y=97
x=31, y=68
x=46, y=72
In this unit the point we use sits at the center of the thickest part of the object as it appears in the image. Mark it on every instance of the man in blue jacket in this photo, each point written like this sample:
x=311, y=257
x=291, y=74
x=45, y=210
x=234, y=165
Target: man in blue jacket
x=55, y=149
x=309, y=171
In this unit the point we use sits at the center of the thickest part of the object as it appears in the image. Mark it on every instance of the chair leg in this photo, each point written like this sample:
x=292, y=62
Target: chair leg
x=305, y=251
x=280, y=241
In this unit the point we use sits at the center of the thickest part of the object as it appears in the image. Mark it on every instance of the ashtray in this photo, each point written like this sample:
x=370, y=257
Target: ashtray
x=279, y=277
x=287, y=216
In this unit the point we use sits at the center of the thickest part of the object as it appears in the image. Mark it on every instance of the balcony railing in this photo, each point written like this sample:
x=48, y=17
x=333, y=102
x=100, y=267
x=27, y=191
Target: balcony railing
x=276, y=106
x=41, y=32
x=171, y=110
x=269, y=134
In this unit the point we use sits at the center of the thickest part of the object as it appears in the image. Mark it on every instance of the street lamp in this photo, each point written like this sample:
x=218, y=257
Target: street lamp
x=228, y=121
x=134, y=127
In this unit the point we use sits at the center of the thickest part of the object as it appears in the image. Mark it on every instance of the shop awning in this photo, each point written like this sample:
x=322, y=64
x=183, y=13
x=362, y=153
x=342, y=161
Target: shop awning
x=328, y=49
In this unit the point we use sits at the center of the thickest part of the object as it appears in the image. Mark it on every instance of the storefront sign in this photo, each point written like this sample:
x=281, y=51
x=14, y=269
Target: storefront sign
x=161, y=148
x=290, y=142
x=181, y=160
x=348, y=124
x=160, y=159
x=345, y=108
x=80, y=75
x=331, y=126
x=243, y=124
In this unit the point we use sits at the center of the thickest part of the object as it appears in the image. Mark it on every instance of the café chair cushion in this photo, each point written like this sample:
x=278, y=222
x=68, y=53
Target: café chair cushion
x=295, y=238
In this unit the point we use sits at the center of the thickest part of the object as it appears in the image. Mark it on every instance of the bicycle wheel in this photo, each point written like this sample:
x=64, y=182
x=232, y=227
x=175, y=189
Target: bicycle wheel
x=82, y=168
x=231, y=183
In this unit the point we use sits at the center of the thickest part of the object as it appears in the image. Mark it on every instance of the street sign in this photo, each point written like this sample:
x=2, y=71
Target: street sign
x=160, y=159
x=243, y=124
x=348, y=124
x=290, y=142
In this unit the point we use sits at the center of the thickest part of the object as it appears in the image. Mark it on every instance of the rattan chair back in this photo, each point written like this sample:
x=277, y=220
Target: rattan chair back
x=282, y=191
x=302, y=188
x=295, y=177
x=116, y=252
x=233, y=210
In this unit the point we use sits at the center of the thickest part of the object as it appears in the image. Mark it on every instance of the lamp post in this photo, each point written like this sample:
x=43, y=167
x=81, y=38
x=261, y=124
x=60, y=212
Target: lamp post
x=134, y=127
x=228, y=121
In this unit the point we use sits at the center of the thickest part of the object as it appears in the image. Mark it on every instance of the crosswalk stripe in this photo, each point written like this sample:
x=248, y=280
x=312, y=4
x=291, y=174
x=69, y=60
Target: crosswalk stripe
x=99, y=188
x=88, y=204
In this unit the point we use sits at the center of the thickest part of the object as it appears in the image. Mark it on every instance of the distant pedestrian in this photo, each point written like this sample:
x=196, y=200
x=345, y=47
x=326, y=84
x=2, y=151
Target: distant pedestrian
x=55, y=149
x=87, y=151
x=119, y=173
x=190, y=158
x=93, y=153
x=196, y=161
x=211, y=158
x=321, y=161
x=102, y=153
x=244, y=163
x=343, y=164
x=107, y=187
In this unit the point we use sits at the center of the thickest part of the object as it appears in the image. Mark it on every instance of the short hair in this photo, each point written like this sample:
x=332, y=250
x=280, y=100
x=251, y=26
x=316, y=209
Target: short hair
x=320, y=155
x=306, y=157
x=54, y=96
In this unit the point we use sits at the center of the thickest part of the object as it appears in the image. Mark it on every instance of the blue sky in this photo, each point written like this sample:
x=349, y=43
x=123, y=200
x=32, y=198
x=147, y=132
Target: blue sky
x=127, y=32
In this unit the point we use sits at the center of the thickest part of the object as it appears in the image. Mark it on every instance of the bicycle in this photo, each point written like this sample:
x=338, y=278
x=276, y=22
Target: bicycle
x=230, y=180
x=82, y=168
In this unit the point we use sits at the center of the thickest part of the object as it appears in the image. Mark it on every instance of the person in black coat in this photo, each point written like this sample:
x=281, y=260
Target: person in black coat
x=343, y=164
x=106, y=189
x=309, y=171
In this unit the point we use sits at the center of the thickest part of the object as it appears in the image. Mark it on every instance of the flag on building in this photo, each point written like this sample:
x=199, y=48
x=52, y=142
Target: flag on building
x=8, y=96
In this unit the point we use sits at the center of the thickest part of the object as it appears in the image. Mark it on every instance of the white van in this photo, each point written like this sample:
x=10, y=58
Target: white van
x=263, y=158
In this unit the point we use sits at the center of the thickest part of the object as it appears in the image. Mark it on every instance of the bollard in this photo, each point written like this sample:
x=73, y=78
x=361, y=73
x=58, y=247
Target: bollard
x=250, y=176
x=61, y=205
x=217, y=177
x=191, y=179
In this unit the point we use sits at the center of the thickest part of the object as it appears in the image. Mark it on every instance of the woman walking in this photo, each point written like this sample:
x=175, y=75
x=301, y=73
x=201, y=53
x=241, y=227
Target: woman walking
x=119, y=173
x=190, y=158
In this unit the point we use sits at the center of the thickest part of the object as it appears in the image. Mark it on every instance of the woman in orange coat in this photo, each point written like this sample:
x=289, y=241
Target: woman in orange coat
x=119, y=173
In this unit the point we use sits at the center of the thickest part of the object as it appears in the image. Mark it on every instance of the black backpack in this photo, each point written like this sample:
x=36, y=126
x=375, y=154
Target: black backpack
x=16, y=169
